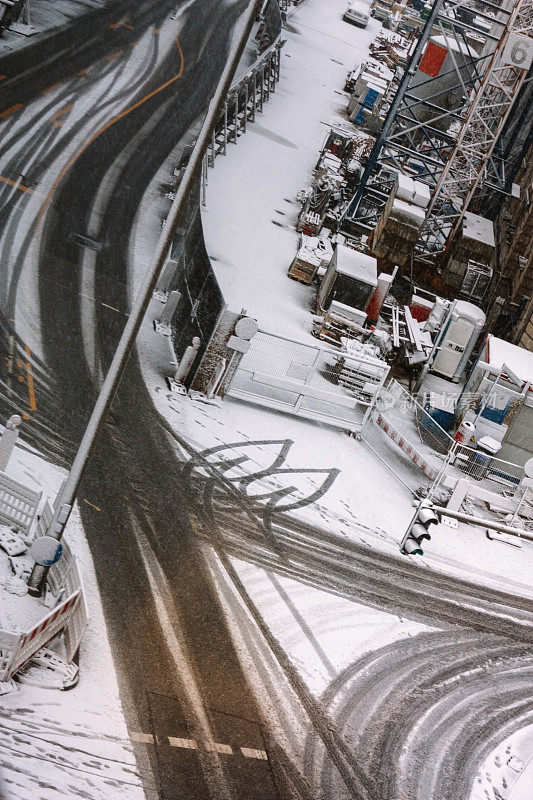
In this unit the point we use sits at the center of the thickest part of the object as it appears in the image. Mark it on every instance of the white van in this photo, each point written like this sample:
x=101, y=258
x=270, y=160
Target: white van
x=358, y=13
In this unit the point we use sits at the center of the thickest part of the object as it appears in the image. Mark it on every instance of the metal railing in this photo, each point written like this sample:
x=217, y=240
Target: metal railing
x=425, y=442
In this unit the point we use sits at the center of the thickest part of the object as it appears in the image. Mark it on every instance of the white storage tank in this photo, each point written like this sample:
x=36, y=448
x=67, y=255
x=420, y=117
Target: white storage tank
x=456, y=339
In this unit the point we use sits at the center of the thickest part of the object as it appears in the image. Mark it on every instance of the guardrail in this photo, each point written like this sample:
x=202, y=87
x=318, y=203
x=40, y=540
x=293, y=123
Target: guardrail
x=245, y=100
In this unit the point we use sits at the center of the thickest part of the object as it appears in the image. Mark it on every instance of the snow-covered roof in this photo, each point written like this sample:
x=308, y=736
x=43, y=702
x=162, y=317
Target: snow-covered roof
x=518, y=360
x=357, y=265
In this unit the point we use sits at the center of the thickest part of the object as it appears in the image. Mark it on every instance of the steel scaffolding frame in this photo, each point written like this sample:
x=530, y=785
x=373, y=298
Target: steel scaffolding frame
x=442, y=129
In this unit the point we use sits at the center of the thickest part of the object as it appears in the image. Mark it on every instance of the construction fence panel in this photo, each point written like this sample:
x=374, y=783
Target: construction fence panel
x=9, y=641
x=425, y=444
x=41, y=633
x=18, y=505
x=308, y=381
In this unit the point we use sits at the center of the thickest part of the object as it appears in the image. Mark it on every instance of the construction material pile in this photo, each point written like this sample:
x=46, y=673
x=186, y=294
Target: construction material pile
x=338, y=168
x=370, y=84
x=473, y=242
x=391, y=49
x=399, y=225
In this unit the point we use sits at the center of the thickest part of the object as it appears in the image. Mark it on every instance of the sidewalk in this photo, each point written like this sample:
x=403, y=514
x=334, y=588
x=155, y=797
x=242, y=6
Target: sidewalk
x=55, y=744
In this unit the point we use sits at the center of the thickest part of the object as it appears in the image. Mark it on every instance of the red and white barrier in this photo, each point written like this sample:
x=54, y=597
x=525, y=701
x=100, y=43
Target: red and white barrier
x=38, y=636
x=409, y=449
x=30, y=514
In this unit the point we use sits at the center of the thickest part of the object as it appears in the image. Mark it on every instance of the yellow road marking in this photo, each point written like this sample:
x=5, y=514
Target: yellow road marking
x=56, y=117
x=157, y=30
x=29, y=381
x=122, y=23
x=83, y=71
x=91, y=504
x=10, y=110
x=104, y=128
x=16, y=185
x=2, y=77
x=50, y=88
x=112, y=56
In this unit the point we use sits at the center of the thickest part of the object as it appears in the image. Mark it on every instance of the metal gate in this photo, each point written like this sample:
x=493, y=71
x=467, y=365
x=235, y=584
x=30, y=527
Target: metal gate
x=325, y=385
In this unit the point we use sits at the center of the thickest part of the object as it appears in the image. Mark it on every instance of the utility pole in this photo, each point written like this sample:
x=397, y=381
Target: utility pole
x=67, y=494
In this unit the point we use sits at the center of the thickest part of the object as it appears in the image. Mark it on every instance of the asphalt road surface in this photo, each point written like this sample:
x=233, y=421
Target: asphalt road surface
x=85, y=123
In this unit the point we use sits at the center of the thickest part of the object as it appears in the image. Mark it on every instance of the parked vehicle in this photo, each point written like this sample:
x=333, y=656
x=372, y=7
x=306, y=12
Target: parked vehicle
x=357, y=13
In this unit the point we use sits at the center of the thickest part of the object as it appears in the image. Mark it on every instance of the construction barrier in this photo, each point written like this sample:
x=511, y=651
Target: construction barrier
x=18, y=506
x=19, y=652
x=27, y=512
x=408, y=448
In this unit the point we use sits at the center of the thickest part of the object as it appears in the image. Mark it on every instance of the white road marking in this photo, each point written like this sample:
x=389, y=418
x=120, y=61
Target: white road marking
x=216, y=747
x=145, y=738
x=248, y=752
x=186, y=744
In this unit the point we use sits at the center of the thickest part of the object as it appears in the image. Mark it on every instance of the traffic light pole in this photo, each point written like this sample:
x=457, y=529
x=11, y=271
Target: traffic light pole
x=69, y=490
x=450, y=456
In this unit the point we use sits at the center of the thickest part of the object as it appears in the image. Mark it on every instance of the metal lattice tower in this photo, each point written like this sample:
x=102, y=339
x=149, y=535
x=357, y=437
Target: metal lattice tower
x=443, y=124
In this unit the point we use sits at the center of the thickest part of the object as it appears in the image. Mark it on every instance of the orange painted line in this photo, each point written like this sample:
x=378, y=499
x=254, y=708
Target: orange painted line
x=112, y=56
x=105, y=127
x=16, y=185
x=29, y=379
x=83, y=71
x=122, y=23
x=56, y=117
x=157, y=30
x=91, y=504
x=2, y=77
x=50, y=88
x=9, y=111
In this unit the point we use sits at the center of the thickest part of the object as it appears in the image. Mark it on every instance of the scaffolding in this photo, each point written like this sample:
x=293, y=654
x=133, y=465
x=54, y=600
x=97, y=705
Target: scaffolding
x=443, y=125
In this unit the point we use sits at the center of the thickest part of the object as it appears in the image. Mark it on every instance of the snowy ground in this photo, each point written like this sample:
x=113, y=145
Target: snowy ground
x=57, y=744
x=257, y=182
x=508, y=769
x=261, y=176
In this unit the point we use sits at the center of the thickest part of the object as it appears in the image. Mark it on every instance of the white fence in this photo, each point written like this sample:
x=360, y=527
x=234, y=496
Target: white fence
x=25, y=511
x=18, y=506
x=308, y=381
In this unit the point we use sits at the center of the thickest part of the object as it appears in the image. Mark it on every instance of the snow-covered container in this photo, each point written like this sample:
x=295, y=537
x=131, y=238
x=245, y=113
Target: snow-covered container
x=350, y=278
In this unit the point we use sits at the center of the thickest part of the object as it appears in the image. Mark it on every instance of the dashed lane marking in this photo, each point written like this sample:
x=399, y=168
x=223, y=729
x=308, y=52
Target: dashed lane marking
x=56, y=118
x=122, y=23
x=217, y=747
x=191, y=744
x=9, y=111
x=186, y=744
x=30, y=384
x=99, y=509
x=144, y=738
x=113, y=56
x=249, y=752
x=16, y=185
x=50, y=88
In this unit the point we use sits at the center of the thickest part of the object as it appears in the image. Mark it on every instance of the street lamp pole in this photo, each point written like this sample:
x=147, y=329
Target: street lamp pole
x=69, y=490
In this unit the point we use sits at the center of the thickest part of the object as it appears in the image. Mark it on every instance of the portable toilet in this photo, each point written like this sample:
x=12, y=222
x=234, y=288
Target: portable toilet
x=350, y=278
x=456, y=339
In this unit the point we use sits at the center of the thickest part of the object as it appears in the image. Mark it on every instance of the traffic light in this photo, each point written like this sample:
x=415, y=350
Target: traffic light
x=418, y=530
